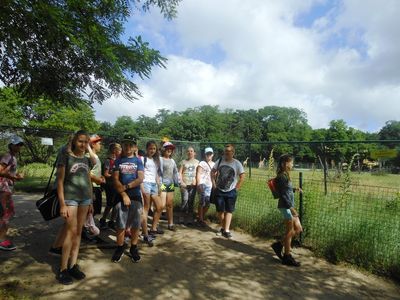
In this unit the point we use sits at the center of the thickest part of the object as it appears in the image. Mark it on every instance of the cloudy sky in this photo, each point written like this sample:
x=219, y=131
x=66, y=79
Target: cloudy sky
x=331, y=59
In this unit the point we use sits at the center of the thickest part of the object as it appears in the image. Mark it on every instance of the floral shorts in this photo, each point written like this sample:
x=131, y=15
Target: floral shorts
x=6, y=208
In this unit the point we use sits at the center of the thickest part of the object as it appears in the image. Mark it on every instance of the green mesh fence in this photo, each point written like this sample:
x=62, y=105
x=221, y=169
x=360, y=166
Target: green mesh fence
x=347, y=215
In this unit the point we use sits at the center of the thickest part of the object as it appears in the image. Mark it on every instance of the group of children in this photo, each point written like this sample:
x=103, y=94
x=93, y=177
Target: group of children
x=133, y=184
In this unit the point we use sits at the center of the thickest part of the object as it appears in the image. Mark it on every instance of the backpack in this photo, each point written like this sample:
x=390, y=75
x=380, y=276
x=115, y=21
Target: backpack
x=273, y=188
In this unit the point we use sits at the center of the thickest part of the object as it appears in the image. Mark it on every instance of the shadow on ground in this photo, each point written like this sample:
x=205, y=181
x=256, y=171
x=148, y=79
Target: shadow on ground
x=191, y=263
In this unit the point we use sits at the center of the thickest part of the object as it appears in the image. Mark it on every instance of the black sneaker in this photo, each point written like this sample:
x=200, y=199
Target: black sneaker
x=277, y=246
x=55, y=251
x=157, y=231
x=148, y=239
x=227, y=234
x=221, y=232
x=134, y=251
x=76, y=273
x=64, y=277
x=288, y=260
x=171, y=227
x=103, y=224
x=119, y=252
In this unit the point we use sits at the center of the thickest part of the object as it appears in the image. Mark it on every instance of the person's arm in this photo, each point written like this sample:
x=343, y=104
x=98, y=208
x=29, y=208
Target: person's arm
x=240, y=181
x=181, y=175
x=199, y=171
x=121, y=189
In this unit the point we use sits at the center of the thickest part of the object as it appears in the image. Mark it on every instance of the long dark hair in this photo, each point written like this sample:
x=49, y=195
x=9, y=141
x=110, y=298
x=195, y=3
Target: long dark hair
x=281, y=169
x=156, y=156
x=75, y=137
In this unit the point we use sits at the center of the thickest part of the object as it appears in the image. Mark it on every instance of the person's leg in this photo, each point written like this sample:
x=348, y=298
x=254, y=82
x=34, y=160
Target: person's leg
x=170, y=209
x=71, y=230
x=158, y=206
x=97, y=201
x=230, y=203
x=81, y=217
x=297, y=225
x=58, y=242
x=184, y=204
x=191, y=200
x=227, y=221
x=146, y=206
x=287, y=240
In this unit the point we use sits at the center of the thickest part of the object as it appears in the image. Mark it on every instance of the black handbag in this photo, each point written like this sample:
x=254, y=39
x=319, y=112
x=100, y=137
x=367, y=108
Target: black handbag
x=49, y=205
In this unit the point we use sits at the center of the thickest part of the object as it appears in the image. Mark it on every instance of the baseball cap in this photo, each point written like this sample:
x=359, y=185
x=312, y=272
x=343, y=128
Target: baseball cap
x=95, y=138
x=208, y=150
x=167, y=145
x=129, y=138
x=15, y=140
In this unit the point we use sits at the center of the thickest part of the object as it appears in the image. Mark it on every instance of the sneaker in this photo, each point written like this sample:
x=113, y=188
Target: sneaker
x=148, y=239
x=157, y=231
x=221, y=232
x=103, y=224
x=7, y=245
x=55, y=251
x=277, y=247
x=289, y=260
x=134, y=251
x=119, y=252
x=76, y=273
x=201, y=223
x=171, y=227
x=64, y=277
x=227, y=234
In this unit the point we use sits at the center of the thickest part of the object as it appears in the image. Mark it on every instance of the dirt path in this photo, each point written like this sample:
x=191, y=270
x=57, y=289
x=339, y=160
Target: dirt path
x=188, y=264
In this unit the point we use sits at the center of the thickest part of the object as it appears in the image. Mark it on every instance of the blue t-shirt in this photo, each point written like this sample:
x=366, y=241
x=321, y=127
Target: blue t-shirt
x=128, y=168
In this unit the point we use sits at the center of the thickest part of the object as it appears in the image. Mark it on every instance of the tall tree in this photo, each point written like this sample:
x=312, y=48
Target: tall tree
x=65, y=50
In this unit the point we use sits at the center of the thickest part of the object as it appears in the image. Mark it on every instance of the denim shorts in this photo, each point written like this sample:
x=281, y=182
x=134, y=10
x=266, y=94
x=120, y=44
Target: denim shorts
x=129, y=216
x=150, y=188
x=84, y=202
x=204, y=199
x=225, y=201
x=286, y=213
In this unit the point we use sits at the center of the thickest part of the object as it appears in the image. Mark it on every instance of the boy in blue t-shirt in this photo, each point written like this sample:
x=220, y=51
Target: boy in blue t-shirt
x=127, y=176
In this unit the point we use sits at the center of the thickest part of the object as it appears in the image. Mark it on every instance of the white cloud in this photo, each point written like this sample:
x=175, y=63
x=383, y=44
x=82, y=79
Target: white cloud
x=267, y=60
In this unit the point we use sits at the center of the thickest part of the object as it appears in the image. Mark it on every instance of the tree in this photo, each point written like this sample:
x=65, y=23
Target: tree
x=43, y=118
x=68, y=50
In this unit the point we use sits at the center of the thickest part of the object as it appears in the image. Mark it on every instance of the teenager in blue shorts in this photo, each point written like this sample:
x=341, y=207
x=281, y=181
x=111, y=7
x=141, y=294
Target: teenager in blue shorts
x=150, y=190
x=127, y=176
x=286, y=207
x=228, y=176
x=74, y=191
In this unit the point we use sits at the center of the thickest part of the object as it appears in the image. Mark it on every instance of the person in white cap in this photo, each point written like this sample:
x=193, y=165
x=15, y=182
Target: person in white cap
x=204, y=184
x=8, y=176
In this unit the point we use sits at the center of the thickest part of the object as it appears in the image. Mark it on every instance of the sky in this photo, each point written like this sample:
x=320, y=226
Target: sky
x=331, y=59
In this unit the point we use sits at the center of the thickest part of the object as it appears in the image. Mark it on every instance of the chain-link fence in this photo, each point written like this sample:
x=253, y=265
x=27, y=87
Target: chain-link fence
x=349, y=208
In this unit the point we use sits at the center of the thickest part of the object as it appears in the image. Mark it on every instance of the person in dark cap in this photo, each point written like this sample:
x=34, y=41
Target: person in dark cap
x=127, y=176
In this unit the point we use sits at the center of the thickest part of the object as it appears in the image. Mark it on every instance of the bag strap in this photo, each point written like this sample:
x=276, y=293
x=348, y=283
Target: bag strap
x=52, y=172
x=51, y=175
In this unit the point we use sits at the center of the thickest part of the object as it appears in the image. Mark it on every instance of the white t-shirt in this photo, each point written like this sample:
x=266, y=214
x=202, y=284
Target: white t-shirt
x=205, y=172
x=150, y=170
x=228, y=174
